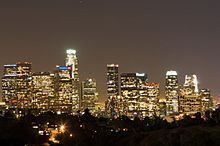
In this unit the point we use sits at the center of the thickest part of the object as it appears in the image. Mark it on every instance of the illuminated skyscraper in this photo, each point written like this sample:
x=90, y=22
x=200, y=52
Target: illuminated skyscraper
x=190, y=101
x=206, y=101
x=151, y=101
x=131, y=90
x=43, y=91
x=72, y=61
x=9, y=86
x=24, y=85
x=89, y=95
x=112, y=89
x=65, y=101
x=171, y=92
x=191, y=83
x=67, y=85
x=112, y=80
x=162, y=107
x=17, y=85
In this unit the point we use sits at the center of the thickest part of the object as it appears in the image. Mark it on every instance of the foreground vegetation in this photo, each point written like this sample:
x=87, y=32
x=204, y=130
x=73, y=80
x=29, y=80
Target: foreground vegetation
x=84, y=130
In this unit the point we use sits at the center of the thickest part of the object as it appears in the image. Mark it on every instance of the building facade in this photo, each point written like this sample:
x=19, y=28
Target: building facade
x=152, y=101
x=72, y=63
x=64, y=91
x=206, y=101
x=43, y=91
x=112, y=89
x=112, y=80
x=171, y=93
x=131, y=90
x=190, y=100
x=16, y=87
x=89, y=95
x=9, y=86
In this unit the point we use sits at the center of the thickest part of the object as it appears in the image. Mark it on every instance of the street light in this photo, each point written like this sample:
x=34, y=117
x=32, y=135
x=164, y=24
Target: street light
x=62, y=128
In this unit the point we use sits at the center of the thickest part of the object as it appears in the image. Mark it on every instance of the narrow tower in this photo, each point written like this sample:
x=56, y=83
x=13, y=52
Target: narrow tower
x=171, y=92
x=72, y=61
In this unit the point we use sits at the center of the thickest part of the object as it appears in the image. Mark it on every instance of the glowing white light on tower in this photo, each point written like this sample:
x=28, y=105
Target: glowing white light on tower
x=192, y=81
x=70, y=51
x=195, y=82
x=171, y=73
x=71, y=60
x=140, y=74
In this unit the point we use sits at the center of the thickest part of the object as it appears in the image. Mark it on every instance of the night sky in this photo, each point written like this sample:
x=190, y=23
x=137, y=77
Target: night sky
x=140, y=35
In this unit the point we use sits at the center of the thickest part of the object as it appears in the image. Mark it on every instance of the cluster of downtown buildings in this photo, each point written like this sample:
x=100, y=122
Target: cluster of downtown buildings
x=128, y=94
x=58, y=91
x=132, y=95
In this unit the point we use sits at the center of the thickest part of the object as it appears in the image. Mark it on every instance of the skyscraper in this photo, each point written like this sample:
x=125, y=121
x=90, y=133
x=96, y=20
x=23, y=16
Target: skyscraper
x=191, y=83
x=112, y=89
x=9, y=86
x=131, y=91
x=24, y=84
x=171, y=92
x=152, y=100
x=112, y=80
x=189, y=100
x=64, y=102
x=89, y=95
x=72, y=61
x=206, y=101
x=67, y=85
x=17, y=85
x=43, y=91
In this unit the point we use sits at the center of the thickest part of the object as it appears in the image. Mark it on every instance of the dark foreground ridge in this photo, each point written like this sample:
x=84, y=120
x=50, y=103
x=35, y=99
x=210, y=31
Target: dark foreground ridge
x=87, y=130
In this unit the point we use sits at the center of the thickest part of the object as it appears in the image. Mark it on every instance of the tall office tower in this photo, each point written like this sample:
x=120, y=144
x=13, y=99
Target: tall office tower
x=65, y=101
x=206, y=101
x=162, y=108
x=89, y=95
x=72, y=63
x=9, y=87
x=43, y=91
x=131, y=90
x=16, y=85
x=171, y=92
x=190, y=101
x=118, y=106
x=152, y=107
x=112, y=80
x=112, y=89
x=191, y=83
x=24, y=84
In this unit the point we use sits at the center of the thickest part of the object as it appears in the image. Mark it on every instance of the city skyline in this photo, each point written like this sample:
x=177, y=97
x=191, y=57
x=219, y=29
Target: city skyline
x=140, y=36
x=162, y=92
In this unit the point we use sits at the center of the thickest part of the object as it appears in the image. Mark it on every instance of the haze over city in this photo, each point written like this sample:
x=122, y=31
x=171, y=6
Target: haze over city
x=141, y=36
